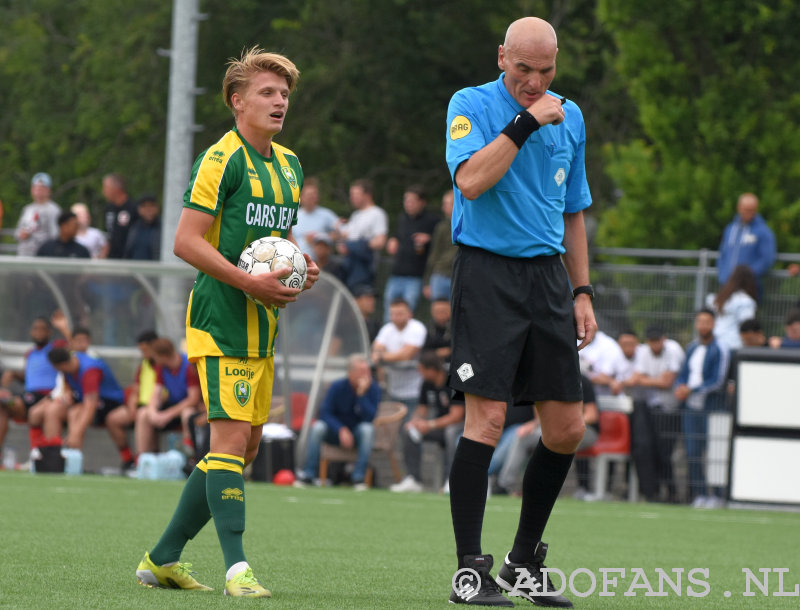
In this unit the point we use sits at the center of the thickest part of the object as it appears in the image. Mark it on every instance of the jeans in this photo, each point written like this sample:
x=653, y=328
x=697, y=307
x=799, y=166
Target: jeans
x=401, y=286
x=502, y=449
x=440, y=287
x=695, y=422
x=363, y=435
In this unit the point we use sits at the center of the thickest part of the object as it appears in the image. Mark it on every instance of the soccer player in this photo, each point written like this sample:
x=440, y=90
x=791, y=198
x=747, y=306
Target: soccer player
x=516, y=155
x=242, y=188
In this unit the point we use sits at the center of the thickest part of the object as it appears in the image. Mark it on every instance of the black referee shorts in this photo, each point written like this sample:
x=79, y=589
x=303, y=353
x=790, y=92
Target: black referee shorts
x=513, y=328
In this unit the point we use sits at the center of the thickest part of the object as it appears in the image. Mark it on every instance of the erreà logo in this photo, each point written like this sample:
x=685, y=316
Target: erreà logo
x=288, y=173
x=460, y=127
x=216, y=156
x=232, y=493
x=241, y=391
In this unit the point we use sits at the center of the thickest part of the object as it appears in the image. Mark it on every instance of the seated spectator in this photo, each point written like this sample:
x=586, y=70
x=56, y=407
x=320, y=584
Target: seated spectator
x=38, y=221
x=409, y=249
x=438, y=338
x=313, y=220
x=143, y=241
x=656, y=420
x=97, y=399
x=735, y=302
x=699, y=387
x=327, y=261
x=345, y=419
x=173, y=400
x=38, y=380
x=527, y=437
x=516, y=417
x=751, y=334
x=64, y=246
x=439, y=268
x=395, y=352
x=602, y=361
x=91, y=238
x=791, y=338
x=436, y=419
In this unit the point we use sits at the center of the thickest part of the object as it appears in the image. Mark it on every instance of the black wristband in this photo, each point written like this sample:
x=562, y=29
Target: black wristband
x=521, y=127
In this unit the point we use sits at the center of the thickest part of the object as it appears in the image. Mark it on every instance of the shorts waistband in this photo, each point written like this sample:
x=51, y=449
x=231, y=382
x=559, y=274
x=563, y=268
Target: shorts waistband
x=544, y=259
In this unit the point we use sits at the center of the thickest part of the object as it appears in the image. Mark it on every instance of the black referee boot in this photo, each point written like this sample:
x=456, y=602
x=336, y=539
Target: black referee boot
x=474, y=585
x=526, y=580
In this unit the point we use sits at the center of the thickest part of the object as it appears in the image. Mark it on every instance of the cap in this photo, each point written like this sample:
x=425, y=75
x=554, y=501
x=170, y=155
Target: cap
x=363, y=290
x=42, y=178
x=324, y=238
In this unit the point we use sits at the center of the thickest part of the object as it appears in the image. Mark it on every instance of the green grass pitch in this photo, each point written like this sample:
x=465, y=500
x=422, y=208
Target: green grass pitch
x=74, y=542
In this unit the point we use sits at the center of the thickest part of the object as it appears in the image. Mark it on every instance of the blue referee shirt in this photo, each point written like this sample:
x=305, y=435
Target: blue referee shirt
x=522, y=215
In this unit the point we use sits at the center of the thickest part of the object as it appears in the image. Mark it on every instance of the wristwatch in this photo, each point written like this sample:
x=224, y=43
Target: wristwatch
x=583, y=290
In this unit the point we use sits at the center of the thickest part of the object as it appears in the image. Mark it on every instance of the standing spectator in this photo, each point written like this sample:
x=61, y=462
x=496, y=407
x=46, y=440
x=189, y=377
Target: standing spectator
x=439, y=268
x=173, y=400
x=409, y=249
x=436, y=419
x=438, y=338
x=65, y=245
x=396, y=349
x=120, y=213
x=699, y=387
x=313, y=220
x=92, y=238
x=38, y=221
x=747, y=240
x=143, y=242
x=735, y=302
x=364, y=295
x=656, y=420
x=345, y=419
x=362, y=236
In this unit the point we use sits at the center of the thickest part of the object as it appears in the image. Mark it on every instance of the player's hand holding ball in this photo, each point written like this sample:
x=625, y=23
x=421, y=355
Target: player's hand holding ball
x=312, y=272
x=278, y=270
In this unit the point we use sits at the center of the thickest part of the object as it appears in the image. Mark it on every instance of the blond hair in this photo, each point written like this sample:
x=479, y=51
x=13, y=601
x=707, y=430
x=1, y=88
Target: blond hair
x=253, y=61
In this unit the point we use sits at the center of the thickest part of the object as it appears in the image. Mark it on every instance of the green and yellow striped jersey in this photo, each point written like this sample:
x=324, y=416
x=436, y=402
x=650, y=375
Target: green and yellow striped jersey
x=250, y=196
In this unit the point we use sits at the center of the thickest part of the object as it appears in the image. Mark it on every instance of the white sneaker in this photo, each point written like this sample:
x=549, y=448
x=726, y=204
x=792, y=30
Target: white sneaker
x=409, y=484
x=714, y=502
x=699, y=502
x=360, y=487
x=446, y=488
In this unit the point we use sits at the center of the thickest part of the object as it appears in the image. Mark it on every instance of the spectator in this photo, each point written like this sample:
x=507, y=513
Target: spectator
x=629, y=343
x=409, y=249
x=602, y=361
x=747, y=240
x=38, y=377
x=363, y=236
x=364, y=295
x=656, y=420
x=120, y=213
x=699, y=387
x=439, y=268
x=733, y=304
x=313, y=220
x=96, y=399
x=527, y=437
x=143, y=242
x=395, y=349
x=436, y=419
x=327, y=261
x=751, y=334
x=438, y=337
x=173, y=400
x=516, y=417
x=64, y=246
x=91, y=238
x=791, y=338
x=345, y=419
x=38, y=221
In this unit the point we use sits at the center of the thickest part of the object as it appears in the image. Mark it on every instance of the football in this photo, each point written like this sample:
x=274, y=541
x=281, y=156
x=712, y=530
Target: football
x=271, y=254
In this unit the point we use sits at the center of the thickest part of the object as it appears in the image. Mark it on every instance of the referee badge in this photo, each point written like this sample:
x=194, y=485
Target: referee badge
x=465, y=371
x=241, y=391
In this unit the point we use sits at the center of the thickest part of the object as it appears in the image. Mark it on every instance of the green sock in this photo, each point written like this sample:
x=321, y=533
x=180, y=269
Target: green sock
x=190, y=516
x=225, y=493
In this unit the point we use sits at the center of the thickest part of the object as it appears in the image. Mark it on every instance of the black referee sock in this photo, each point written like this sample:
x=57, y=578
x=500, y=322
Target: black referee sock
x=469, y=482
x=541, y=484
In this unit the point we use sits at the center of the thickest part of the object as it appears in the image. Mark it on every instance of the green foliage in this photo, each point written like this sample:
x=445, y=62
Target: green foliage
x=714, y=87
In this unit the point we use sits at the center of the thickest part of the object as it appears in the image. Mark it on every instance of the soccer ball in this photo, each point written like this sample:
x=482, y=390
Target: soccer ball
x=271, y=254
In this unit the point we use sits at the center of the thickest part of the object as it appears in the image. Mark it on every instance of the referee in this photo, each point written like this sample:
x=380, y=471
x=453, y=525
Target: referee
x=516, y=154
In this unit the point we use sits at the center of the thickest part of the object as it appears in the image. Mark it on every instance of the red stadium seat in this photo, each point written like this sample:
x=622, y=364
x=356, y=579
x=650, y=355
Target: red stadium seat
x=613, y=445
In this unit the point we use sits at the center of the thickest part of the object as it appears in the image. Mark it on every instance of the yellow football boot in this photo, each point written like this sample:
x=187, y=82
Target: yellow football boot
x=244, y=584
x=176, y=576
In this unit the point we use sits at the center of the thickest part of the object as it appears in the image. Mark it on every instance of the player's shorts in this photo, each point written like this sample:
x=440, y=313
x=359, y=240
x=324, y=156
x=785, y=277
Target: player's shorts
x=31, y=398
x=104, y=407
x=513, y=329
x=237, y=388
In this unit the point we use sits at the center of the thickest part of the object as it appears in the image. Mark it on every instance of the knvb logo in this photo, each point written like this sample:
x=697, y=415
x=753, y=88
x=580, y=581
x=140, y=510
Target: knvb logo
x=466, y=583
x=241, y=390
x=465, y=371
x=233, y=493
